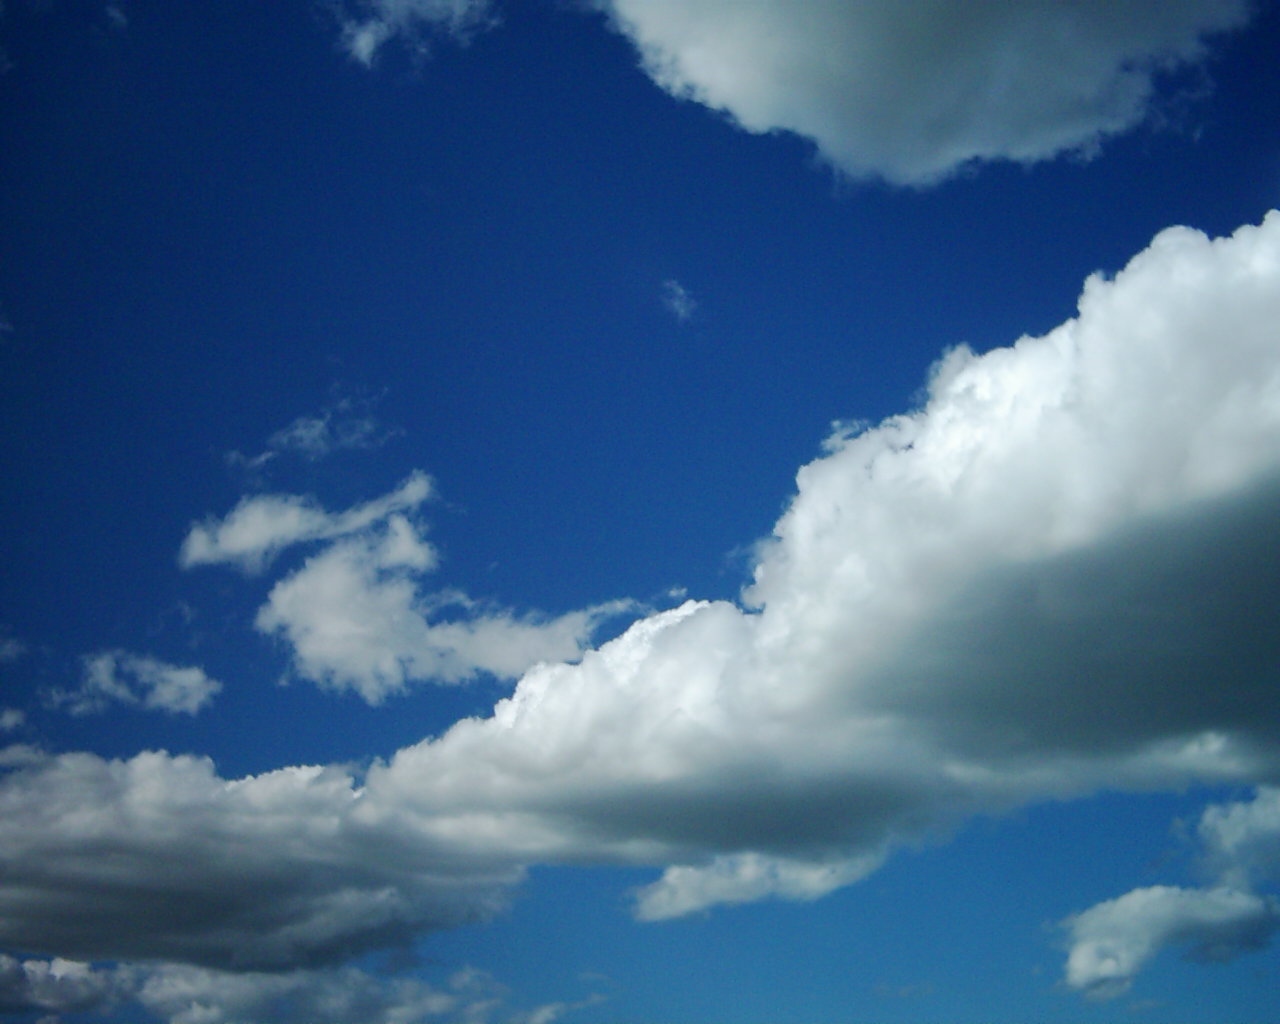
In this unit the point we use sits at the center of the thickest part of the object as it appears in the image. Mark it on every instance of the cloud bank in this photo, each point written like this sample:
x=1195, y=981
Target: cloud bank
x=1055, y=576
x=910, y=92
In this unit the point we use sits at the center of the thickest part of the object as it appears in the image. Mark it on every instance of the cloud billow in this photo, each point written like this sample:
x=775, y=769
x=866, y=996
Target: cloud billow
x=911, y=92
x=1049, y=579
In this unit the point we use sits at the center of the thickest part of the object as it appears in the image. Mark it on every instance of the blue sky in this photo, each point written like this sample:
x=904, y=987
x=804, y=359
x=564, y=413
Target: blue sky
x=639, y=510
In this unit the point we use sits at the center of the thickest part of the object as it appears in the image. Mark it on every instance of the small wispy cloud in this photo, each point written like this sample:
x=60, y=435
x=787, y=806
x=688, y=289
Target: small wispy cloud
x=345, y=425
x=678, y=301
x=374, y=23
x=11, y=649
x=118, y=677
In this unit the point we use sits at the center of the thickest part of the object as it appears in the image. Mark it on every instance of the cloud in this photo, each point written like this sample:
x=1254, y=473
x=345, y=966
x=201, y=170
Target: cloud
x=678, y=301
x=185, y=994
x=158, y=858
x=11, y=719
x=1055, y=576
x=1113, y=940
x=11, y=649
x=262, y=526
x=58, y=985
x=355, y=618
x=911, y=92
x=413, y=22
x=122, y=678
x=345, y=425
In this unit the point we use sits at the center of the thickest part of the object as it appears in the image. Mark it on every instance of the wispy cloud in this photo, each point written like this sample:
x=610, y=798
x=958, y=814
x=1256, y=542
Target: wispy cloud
x=118, y=677
x=355, y=615
x=677, y=300
x=368, y=25
x=346, y=425
x=911, y=92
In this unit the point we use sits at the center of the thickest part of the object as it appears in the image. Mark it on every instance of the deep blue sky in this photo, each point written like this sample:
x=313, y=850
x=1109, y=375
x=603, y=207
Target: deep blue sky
x=223, y=233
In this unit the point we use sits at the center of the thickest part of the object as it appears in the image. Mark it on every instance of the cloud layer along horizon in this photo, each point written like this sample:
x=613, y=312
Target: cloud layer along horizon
x=1054, y=576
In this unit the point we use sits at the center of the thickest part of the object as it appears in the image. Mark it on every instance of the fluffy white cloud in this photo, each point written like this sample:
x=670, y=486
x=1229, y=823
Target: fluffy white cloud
x=355, y=617
x=354, y=614
x=1112, y=941
x=1242, y=840
x=11, y=719
x=367, y=25
x=913, y=91
x=1057, y=575
x=122, y=678
x=262, y=526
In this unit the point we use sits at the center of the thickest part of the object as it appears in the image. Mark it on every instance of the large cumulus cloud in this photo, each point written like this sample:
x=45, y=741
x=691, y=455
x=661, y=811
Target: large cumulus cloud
x=912, y=91
x=1054, y=576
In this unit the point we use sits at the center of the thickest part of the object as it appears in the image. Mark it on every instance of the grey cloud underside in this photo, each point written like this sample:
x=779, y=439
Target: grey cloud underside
x=1054, y=577
x=1062, y=656
x=157, y=858
x=912, y=91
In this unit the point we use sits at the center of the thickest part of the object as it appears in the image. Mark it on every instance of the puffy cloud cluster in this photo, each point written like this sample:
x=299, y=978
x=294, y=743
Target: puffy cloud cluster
x=912, y=91
x=1056, y=575
x=118, y=677
x=1112, y=941
x=354, y=615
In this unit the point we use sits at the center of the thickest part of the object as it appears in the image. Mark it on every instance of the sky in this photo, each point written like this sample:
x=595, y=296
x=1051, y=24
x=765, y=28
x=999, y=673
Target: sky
x=521, y=511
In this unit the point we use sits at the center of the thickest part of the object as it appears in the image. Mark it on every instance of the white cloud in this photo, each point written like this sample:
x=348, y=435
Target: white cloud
x=11, y=719
x=260, y=527
x=913, y=91
x=1242, y=840
x=186, y=994
x=678, y=301
x=58, y=985
x=1112, y=941
x=1055, y=576
x=355, y=615
x=355, y=618
x=11, y=649
x=413, y=22
x=122, y=678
